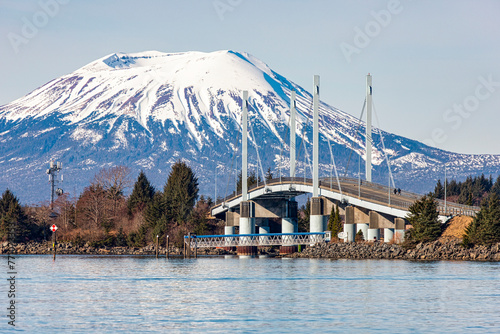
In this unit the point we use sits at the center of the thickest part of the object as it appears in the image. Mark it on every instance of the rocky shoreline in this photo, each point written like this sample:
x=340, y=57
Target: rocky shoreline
x=438, y=250
x=68, y=248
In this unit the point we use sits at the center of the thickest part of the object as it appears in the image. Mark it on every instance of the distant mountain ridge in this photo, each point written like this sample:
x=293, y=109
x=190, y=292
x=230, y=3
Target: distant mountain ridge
x=146, y=110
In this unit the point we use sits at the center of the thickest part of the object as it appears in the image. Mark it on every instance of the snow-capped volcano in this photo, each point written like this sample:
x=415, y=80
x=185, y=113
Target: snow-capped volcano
x=146, y=110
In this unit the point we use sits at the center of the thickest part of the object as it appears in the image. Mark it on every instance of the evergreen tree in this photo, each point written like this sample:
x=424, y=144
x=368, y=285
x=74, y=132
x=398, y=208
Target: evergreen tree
x=304, y=217
x=485, y=228
x=439, y=190
x=13, y=221
x=496, y=187
x=359, y=236
x=452, y=188
x=251, y=180
x=269, y=175
x=181, y=191
x=424, y=219
x=334, y=222
x=156, y=209
x=142, y=194
x=156, y=221
x=199, y=216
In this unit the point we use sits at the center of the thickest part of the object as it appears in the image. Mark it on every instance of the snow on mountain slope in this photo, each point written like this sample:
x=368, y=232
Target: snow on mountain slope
x=147, y=110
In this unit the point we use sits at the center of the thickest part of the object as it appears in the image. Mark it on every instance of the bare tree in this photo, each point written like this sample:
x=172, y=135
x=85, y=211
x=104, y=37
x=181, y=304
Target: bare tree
x=65, y=207
x=93, y=205
x=113, y=181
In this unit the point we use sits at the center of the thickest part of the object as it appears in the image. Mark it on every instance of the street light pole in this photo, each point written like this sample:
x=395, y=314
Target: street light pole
x=445, y=189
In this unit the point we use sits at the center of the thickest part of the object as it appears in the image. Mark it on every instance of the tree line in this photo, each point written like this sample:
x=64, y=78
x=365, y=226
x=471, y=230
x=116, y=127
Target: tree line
x=426, y=227
x=103, y=216
x=472, y=191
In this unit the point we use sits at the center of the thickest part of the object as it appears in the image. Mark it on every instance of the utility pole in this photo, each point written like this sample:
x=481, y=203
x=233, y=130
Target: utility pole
x=445, y=189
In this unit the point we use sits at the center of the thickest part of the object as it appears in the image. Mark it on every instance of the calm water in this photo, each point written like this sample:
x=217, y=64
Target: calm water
x=96, y=294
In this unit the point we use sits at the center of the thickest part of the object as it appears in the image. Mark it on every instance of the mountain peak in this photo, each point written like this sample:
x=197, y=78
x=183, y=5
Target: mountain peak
x=148, y=109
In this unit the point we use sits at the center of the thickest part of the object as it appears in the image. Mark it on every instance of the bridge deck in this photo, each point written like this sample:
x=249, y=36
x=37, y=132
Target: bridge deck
x=350, y=191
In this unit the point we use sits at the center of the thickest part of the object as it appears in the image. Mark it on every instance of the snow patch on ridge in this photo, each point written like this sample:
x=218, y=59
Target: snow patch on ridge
x=86, y=136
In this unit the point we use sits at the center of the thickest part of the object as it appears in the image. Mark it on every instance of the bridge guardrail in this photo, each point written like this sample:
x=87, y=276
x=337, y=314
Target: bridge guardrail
x=265, y=239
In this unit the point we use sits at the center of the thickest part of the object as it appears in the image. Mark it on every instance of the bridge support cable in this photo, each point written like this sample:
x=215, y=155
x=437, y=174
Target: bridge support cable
x=244, y=146
x=259, y=162
x=357, y=134
x=307, y=161
x=387, y=159
x=334, y=166
x=231, y=168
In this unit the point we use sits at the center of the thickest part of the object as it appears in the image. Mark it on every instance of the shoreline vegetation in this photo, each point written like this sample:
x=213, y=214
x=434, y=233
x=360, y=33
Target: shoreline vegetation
x=450, y=249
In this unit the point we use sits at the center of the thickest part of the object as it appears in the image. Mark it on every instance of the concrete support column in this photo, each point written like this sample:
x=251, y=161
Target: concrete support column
x=247, y=226
x=229, y=230
x=363, y=227
x=373, y=234
x=264, y=230
x=388, y=234
x=349, y=226
x=399, y=235
x=316, y=219
x=289, y=224
x=373, y=227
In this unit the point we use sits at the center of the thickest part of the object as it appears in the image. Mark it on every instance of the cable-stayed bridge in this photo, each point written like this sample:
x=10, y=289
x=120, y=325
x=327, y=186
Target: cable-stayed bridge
x=377, y=210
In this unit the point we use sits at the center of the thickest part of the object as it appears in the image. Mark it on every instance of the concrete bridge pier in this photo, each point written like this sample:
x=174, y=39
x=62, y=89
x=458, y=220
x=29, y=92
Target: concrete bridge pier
x=289, y=224
x=388, y=234
x=383, y=221
x=359, y=219
x=264, y=228
x=247, y=226
x=363, y=227
x=232, y=220
x=316, y=222
x=373, y=228
x=400, y=227
x=349, y=226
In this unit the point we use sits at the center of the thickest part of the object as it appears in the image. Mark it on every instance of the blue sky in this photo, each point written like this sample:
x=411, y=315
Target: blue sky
x=435, y=64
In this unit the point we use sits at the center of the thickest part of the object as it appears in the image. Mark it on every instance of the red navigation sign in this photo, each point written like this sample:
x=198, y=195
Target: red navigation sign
x=53, y=228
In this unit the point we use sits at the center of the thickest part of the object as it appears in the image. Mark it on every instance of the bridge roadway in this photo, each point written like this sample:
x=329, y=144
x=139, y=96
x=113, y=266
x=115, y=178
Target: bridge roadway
x=367, y=195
